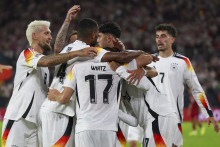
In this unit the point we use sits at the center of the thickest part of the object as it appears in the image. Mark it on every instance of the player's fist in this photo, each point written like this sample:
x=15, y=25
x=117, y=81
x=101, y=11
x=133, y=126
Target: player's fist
x=52, y=94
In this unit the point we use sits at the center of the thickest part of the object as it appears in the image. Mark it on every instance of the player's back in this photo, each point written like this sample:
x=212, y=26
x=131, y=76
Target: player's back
x=98, y=97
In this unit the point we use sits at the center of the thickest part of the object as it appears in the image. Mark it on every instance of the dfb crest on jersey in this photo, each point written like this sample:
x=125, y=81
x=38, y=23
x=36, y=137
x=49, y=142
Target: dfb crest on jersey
x=68, y=49
x=174, y=67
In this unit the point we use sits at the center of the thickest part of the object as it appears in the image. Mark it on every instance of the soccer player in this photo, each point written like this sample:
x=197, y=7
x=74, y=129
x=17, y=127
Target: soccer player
x=98, y=97
x=175, y=70
x=30, y=85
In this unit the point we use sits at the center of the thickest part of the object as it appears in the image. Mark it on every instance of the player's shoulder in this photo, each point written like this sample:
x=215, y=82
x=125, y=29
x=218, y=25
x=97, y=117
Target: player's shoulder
x=179, y=56
x=30, y=53
x=182, y=58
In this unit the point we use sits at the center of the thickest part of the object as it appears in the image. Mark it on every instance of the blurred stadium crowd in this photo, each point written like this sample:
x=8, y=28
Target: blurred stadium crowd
x=198, y=24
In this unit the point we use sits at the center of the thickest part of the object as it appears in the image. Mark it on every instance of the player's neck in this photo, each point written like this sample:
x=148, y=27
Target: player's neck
x=36, y=47
x=166, y=53
x=84, y=40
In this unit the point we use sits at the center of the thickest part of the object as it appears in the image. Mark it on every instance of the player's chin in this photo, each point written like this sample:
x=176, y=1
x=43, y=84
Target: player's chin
x=161, y=49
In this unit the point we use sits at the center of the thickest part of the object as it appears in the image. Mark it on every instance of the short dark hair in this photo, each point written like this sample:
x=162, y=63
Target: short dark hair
x=170, y=28
x=110, y=28
x=86, y=27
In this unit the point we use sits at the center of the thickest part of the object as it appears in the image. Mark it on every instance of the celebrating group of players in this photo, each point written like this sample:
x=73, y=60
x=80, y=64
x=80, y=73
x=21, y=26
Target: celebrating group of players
x=96, y=90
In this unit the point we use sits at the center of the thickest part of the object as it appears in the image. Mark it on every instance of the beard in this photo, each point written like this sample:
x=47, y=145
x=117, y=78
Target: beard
x=162, y=50
x=46, y=48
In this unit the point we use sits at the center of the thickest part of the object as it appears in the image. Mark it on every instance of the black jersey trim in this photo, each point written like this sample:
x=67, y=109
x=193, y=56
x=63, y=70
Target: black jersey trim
x=181, y=119
x=153, y=83
x=118, y=90
x=29, y=107
x=77, y=97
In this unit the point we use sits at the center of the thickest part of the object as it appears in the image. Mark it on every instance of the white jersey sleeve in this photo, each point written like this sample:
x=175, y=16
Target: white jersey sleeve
x=71, y=79
x=31, y=58
x=198, y=93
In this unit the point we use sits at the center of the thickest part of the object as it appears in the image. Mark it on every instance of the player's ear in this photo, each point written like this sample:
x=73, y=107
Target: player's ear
x=173, y=39
x=34, y=36
x=93, y=36
x=110, y=38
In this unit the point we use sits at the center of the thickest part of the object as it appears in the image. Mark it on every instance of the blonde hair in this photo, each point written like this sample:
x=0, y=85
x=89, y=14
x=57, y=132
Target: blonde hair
x=35, y=26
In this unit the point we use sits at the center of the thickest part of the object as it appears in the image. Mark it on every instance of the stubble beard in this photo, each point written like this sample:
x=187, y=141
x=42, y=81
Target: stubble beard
x=46, y=48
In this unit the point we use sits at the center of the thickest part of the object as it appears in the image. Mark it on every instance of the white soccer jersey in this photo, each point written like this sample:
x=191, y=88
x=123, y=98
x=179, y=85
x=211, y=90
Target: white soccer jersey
x=144, y=97
x=61, y=73
x=174, y=71
x=30, y=87
x=98, y=96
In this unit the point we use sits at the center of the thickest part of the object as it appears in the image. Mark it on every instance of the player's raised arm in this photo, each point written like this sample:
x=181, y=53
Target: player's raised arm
x=61, y=36
x=56, y=59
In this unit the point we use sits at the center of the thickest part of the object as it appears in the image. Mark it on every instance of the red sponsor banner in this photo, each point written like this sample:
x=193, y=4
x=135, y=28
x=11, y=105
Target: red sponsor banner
x=201, y=117
x=2, y=113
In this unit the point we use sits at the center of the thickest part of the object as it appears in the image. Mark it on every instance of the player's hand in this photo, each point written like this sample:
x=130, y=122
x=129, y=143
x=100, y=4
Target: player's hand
x=118, y=44
x=114, y=65
x=2, y=67
x=135, y=75
x=88, y=52
x=212, y=120
x=155, y=58
x=72, y=13
x=52, y=94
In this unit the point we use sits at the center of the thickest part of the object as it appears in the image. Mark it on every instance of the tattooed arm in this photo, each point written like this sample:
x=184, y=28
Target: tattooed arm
x=56, y=59
x=61, y=36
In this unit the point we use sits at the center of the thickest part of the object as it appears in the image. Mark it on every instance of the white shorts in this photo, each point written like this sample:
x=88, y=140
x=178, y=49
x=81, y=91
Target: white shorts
x=135, y=134
x=19, y=133
x=55, y=128
x=160, y=131
x=178, y=138
x=96, y=138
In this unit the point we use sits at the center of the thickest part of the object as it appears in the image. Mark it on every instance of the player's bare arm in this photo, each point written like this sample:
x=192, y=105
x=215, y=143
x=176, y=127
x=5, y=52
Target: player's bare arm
x=61, y=36
x=121, y=57
x=56, y=59
x=62, y=98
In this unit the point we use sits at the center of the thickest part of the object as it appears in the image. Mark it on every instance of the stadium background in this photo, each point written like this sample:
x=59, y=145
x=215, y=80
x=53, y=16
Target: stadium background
x=198, y=24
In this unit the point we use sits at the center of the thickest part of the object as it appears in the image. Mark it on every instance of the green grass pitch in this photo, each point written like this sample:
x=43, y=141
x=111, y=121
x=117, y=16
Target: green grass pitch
x=209, y=139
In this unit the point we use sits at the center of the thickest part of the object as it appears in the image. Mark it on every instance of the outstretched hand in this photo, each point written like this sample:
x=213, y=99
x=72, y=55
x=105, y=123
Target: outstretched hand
x=52, y=94
x=88, y=52
x=212, y=120
x=72, y=13
x=135, y=75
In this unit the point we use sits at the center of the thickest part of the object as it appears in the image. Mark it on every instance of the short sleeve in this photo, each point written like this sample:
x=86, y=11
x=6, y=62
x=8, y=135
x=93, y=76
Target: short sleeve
x=71, y=80
x=32, y=57
x=100, y=53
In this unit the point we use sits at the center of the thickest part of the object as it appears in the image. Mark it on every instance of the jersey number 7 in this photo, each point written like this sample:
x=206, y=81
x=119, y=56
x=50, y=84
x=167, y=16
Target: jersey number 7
x=92, y=84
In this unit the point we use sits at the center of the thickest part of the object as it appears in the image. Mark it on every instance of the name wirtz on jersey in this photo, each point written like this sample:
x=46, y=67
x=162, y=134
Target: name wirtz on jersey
x=99, y=68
